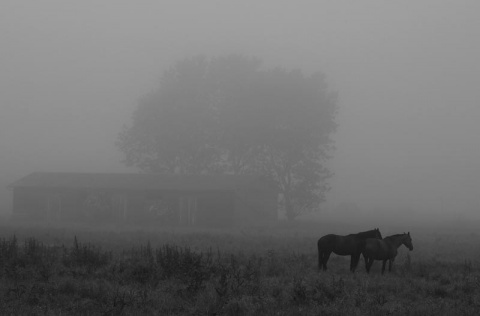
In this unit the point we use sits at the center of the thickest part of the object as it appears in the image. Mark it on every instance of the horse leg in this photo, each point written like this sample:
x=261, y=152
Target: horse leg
x=320, y=260
x=383, y=266
x=371, y=263
x=368, y=264
x=354, y=262
x=326, y=256
x=390, y=263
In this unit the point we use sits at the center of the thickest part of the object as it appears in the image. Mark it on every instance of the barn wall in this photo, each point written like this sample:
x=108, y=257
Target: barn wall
x=216, y=209
x=185, y=208
x=152, y=207
x=29, y=203
x=59, y=204
x=173, y=208
x=253, y=207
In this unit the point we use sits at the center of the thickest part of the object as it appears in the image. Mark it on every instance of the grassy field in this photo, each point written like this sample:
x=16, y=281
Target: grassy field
x=78, y=270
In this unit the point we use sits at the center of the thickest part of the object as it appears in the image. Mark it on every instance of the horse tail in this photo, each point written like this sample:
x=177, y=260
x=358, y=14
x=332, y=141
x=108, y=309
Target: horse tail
x=320, y=257
x=325, y=247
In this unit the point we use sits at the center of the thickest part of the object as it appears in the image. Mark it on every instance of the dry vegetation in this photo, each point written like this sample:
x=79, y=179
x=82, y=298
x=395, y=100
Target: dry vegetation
x=256, y=271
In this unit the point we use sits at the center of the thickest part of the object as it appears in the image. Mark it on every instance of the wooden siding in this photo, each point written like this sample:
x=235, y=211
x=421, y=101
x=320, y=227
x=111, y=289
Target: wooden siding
x=212, y=205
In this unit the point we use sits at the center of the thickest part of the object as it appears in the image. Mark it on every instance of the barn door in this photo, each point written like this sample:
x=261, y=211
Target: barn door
x=54, y=206
x=187, y=210
x=119, y=206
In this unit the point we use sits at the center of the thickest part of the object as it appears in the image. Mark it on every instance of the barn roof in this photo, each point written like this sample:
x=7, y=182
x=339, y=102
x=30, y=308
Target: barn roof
x=137, y=181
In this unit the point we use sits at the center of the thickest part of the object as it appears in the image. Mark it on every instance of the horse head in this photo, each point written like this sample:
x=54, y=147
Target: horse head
x=407, y=241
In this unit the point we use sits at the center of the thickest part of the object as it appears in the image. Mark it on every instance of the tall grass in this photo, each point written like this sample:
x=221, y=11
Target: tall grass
x=247, y=273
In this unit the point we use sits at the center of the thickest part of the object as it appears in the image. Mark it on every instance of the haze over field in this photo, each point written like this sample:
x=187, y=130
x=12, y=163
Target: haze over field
x=407, y=74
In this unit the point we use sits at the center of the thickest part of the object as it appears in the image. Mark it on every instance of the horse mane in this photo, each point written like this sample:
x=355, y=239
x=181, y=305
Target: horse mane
x=366, y=232
x=393, y=236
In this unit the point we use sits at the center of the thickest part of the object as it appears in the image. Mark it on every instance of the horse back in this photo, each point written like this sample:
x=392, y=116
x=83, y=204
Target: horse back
x=377, y=249
x=346, y=245
x=327, y=242
x=342, y=245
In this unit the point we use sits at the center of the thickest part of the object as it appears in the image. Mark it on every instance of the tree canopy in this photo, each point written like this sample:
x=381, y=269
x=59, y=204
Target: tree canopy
x=231, y=115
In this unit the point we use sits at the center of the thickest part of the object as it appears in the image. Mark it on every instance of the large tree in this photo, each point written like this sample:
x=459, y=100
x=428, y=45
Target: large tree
x=230, y=115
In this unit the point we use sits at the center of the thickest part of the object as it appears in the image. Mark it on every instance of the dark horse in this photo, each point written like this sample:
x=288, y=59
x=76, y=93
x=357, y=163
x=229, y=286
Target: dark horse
x=350, y=245
x=385, y=249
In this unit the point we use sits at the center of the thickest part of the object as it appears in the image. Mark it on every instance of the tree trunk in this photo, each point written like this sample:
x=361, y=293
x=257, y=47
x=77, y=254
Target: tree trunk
x=289, y=208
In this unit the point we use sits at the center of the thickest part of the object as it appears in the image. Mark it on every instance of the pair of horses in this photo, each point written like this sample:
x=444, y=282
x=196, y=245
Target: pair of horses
x=369, y=243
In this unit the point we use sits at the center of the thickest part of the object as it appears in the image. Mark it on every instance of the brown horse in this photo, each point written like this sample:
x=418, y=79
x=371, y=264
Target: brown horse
x=385, y=249
x=350, y=245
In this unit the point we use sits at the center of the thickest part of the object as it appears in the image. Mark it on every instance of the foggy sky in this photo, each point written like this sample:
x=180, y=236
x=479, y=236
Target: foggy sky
x=407, y=74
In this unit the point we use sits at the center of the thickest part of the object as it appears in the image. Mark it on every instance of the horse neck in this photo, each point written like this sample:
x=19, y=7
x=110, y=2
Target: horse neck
x=395, y=240
x=367, y=234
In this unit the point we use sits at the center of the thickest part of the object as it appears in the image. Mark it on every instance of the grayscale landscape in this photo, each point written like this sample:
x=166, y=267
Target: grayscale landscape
x=185, y=157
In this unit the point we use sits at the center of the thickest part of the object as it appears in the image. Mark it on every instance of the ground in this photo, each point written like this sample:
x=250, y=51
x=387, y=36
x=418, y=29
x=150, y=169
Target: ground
x=77, y=270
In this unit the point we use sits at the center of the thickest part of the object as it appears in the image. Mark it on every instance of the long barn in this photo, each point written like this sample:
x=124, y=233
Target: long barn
x=180, y=200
